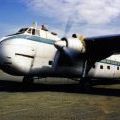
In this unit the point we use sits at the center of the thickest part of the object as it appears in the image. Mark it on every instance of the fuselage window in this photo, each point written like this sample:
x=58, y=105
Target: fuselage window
x=117, y=68
x=108, y=67
x=101, y=66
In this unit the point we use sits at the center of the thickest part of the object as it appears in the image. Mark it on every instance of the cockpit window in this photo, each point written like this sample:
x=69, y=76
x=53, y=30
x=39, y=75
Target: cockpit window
x=29, y=31
x=22, y=30
x=33, y=32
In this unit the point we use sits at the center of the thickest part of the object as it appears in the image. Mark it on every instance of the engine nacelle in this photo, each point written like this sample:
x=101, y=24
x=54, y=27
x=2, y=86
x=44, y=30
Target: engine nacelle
x=75, y=44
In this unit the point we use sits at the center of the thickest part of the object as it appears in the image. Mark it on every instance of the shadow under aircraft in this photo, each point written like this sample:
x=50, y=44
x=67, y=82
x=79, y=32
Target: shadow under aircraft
x=98, y=87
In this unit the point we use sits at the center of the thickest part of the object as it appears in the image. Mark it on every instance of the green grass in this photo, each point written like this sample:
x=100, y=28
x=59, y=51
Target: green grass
x=53, y=101
x=45, y=105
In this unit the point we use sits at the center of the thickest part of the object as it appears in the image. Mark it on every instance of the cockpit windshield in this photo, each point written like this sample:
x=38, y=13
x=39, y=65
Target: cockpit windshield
x=22, y=30
x=27, y=30
x=31, y=31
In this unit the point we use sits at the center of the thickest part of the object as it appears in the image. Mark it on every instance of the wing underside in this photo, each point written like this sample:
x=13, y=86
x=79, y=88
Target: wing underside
x=102, y=47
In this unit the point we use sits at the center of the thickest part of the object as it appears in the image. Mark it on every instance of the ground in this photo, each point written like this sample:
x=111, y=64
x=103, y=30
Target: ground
x=58, y=99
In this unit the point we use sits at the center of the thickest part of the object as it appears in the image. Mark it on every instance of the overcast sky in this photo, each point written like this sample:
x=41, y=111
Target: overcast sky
x=87, y=17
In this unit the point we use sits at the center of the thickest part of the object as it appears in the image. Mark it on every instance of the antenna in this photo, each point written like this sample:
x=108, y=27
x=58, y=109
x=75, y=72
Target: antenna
x=34, y=24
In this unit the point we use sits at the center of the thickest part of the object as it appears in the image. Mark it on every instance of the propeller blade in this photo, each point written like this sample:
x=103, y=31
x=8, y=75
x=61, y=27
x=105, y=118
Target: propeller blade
x=56, y=59
x=61, y=45
x=69, y=25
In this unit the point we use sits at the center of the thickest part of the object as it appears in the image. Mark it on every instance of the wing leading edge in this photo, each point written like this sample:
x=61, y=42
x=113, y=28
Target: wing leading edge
x=101, y=47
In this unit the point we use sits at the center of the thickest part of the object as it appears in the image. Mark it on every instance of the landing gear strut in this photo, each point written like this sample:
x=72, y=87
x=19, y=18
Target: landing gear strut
x=28, y=80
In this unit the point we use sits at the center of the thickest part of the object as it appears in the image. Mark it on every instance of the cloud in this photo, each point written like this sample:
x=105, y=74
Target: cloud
x=90, y=30
x=99, y=11
x=89, y=17
x=87, y=11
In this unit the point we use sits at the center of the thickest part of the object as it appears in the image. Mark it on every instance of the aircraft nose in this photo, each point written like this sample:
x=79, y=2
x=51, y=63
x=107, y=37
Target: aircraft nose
x=5, y=58
x=16, y=59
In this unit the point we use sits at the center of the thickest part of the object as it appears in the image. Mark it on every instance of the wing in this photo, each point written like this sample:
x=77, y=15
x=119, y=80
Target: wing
x=96, y=48
x=102, y=47
x=92, y=49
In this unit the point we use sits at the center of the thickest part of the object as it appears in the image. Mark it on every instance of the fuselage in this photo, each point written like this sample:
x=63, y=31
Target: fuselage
x=27, y=54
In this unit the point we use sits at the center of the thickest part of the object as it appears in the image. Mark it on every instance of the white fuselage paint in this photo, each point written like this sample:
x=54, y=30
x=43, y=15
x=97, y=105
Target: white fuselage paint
x=15, y=51
x=111, y=69
x=33, y=57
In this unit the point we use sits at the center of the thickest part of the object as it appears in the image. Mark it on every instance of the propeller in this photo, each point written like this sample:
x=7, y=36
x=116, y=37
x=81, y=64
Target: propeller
x=62, y=45
x=69, y=25
x=62, y=49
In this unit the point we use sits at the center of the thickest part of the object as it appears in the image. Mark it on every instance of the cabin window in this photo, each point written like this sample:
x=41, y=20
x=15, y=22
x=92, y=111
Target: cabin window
x=117, y=68
x=108, y=67
x=101, y=66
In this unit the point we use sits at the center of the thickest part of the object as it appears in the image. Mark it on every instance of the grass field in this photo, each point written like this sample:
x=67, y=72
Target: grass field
x=58, y=100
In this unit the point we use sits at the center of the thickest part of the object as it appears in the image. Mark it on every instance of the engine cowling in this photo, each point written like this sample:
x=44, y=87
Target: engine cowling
x=75, y=44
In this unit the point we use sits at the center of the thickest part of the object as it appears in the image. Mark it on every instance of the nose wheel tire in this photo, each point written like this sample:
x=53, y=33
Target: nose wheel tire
x=28, y=80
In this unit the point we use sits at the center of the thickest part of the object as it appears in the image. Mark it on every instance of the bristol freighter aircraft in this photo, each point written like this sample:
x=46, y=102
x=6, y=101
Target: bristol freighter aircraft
x=37, y=52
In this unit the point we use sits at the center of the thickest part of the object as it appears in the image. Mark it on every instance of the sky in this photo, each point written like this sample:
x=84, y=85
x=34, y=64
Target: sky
x=85, y=17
